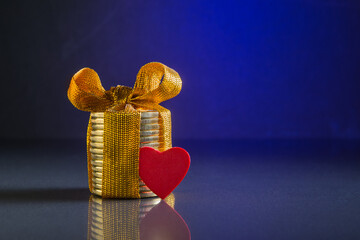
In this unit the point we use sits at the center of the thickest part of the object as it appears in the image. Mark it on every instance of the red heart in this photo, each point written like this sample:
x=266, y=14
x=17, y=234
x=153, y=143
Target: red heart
x=163, y=171
x=163, y=222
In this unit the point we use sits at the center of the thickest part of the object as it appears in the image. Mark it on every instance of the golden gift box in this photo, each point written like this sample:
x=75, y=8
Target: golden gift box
x=122, y=120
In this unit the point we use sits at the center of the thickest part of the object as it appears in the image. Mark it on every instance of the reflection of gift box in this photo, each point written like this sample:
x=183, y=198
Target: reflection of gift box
x=121, y=121
x=120, y=219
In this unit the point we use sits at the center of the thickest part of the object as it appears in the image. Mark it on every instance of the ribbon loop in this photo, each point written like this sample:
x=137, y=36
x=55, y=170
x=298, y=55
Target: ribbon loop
x=86, y=92
x=157, y=83
x=154, y=84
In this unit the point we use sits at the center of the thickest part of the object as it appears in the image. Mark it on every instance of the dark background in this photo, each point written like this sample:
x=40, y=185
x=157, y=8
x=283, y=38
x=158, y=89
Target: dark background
x=250, y=69
x=269, y=112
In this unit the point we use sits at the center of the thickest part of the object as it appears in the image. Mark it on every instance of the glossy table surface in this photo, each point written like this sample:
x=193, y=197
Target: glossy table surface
x=273, y=189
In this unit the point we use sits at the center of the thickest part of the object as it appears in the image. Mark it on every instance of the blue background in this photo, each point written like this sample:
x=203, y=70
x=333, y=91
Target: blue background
x=250, y=69
x=258, y=78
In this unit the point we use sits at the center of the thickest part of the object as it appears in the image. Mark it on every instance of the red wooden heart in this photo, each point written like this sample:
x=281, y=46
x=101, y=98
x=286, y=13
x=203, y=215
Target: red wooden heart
x=163, y=171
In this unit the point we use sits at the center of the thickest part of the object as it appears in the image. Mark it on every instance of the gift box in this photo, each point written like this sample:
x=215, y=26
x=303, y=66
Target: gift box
x=122, y=120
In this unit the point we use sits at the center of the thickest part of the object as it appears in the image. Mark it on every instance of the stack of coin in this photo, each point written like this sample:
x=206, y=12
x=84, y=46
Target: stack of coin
x=149, y=136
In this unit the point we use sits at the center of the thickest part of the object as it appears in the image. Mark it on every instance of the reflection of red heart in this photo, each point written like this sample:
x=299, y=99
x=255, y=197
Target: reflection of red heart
x=163, y=171
x=163, y=222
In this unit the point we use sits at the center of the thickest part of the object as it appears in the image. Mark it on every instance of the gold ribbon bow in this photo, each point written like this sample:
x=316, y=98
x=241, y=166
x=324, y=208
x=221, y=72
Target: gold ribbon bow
x=154, y=84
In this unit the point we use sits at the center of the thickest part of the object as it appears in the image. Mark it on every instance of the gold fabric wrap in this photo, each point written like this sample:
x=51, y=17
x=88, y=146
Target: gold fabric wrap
x=121, y=105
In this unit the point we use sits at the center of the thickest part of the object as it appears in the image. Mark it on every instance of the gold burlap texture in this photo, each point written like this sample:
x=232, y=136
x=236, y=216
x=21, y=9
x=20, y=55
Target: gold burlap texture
x=154, y=84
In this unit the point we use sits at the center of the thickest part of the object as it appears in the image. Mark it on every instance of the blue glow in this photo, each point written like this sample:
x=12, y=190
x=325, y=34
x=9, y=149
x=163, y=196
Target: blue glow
x=253, y=69
x=250, y=69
